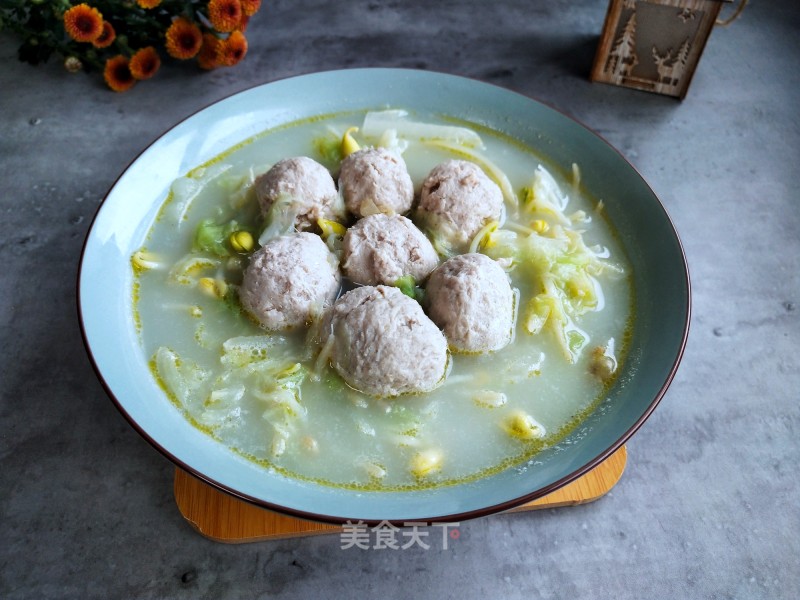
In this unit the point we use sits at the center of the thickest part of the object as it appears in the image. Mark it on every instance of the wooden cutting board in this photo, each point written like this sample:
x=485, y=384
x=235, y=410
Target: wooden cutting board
x=221, y=517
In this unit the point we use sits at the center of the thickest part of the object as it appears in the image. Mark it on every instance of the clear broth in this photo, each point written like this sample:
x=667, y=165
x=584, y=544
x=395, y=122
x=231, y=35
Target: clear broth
x=348, y=439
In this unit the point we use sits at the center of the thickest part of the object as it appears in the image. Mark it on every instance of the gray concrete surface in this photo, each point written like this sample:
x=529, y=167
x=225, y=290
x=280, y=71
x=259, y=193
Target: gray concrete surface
x=708, y=505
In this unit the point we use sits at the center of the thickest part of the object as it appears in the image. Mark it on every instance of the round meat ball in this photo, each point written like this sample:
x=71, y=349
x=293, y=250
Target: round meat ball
x=457, y=199
x=470, y=298
x=306, y=185
x=383, y=248
x=383, y=343
x=376, y=180
x=290, y=281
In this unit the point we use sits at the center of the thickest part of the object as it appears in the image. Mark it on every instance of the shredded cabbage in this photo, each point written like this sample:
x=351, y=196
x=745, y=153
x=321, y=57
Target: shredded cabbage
x=244, y=351
x=241, y=190
x=377, y=123
x=265, y=357
x=329, y=147
x=323, y=358
x=489, y=398
x=283, y=400
x=365, y=428
x=544, y=196
x=212, y=237
x=391, y=141
x=185, y=190
x=222, y=407
x=281, y=392
x=559, y=261
x=408, y=285
x=373, y=469
x=180, y=377
x=281, y=218
x=257, y=366
x=438, y=236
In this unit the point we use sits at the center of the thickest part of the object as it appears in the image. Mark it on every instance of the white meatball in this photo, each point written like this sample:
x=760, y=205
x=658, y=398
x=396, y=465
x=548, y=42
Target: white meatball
x=290, y=281
x=376, y=180
x=457, y=199
x=382, y=249
x=470, y=298
x=306, y=185
x=384, y=344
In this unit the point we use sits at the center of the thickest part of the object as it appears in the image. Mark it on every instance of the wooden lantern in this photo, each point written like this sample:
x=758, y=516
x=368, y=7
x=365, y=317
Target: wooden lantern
x=654, y=45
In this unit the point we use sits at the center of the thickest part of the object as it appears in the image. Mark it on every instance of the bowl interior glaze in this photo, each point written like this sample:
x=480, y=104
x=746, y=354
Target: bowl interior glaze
x=660, y=280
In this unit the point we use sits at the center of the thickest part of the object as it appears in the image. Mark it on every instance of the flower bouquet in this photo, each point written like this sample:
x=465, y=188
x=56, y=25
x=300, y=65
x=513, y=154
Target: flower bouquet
x=125, y=40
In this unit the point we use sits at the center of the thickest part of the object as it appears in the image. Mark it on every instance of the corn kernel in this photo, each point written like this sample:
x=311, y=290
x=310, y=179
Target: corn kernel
x=241, y=241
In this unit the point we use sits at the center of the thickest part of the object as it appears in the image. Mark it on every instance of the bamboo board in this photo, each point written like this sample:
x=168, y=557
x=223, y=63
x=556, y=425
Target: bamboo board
x=223, y=518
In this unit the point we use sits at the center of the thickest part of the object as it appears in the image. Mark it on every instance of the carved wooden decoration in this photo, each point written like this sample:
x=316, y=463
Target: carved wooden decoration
x=654, y=45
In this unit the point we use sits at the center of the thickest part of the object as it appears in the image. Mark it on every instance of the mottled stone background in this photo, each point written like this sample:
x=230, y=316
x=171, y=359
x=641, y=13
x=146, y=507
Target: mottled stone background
x=708, y=506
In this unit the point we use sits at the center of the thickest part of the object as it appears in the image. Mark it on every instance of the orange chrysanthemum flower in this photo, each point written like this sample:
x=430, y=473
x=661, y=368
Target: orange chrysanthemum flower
x=233, y=49
x=118, y=74
x=148, y=3
x=107, y=37
x=225, y=15
x=83, y=23
x=250, y=7
x=145, y=63
x=184, y=39
x=209, y=56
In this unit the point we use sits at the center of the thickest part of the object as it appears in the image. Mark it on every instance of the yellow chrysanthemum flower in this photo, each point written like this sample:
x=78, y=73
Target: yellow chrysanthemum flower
x=148, y=3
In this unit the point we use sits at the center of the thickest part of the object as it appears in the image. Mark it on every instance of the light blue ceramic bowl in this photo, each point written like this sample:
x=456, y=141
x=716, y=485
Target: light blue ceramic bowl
x=660, y=278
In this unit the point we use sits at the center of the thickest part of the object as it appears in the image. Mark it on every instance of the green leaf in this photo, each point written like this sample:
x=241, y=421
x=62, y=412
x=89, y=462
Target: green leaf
x=211, y=237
